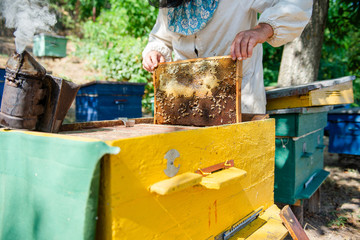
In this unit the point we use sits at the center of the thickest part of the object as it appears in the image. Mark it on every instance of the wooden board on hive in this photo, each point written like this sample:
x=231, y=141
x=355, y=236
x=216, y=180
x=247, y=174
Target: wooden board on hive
x=199, y=92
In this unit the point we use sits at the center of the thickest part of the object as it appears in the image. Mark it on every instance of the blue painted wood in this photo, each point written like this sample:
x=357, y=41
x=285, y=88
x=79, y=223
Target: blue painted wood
x=2, y=82
x=98, y=101
x=344, y=131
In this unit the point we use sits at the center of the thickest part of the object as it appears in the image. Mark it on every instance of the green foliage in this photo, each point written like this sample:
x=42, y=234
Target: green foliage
x=340, y=53
x=114, y=43
x=339, y=220
x=271, y=64
x=72, y=12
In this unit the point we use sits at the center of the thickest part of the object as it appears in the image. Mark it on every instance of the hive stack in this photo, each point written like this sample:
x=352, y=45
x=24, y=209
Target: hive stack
x=301, y=116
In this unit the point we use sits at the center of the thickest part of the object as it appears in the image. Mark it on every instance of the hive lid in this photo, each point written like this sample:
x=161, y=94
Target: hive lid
x=25, y=64
x=355, y=111
x=306, y=88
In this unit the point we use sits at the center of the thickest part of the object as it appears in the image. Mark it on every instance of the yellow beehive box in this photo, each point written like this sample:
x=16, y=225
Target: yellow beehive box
x=159, y=186
x=320, y=93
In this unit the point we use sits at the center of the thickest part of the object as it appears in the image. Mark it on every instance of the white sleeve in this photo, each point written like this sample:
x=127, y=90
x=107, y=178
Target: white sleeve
x=160, y=38
x=288, y=18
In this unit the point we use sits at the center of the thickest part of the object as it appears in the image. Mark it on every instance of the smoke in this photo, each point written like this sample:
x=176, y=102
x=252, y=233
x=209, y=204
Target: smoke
x=27, y=17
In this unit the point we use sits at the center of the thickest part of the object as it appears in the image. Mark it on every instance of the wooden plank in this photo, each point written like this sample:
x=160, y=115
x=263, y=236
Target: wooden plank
x=222, y=178
x=100, y=124
x=314, y=203
x=267, y=226
x=334, y=95
x=271, y=230
x=292, y=224
x=246, y=117
x=176, y=183
x=301, y=110
x=198, y=92
x=238, y=78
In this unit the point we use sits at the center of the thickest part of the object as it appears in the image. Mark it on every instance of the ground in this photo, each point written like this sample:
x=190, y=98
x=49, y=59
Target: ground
x=340, y=200
x=339, y=217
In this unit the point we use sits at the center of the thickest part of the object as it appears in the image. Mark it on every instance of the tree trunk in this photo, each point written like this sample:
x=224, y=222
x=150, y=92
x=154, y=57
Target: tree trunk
x=301, y=57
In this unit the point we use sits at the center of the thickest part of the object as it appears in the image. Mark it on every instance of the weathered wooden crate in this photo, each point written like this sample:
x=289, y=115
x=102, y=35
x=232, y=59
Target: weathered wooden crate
x=320, y=93
x=299, y=152
x=199, y=92
x=344, y=131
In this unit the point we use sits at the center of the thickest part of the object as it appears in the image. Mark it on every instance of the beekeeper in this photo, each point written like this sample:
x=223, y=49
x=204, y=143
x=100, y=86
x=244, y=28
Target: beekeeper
x=187, y=29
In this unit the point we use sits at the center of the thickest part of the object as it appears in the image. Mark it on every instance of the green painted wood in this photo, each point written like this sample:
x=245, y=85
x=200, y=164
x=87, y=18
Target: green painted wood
x=296, y=160
x=49, y=46
x=296, y=124
x=313, y=183
x=48, y=186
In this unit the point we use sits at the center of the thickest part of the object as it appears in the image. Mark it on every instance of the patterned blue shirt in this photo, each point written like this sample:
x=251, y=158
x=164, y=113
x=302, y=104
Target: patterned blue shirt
x=192, y=16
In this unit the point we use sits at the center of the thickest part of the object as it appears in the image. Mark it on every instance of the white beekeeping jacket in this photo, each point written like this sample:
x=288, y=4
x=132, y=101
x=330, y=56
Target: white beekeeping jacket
x=287, y=18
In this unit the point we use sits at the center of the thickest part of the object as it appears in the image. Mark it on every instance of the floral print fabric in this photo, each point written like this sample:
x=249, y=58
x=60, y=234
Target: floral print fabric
x=191, y=17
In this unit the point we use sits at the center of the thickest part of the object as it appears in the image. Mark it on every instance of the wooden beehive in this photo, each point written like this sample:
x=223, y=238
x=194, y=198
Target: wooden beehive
x=199, y=92
x=319, y=93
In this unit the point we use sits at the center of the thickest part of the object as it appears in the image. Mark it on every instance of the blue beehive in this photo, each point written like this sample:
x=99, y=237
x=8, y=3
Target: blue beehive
x=103, y=100
x=2, y=82
x=344, y=131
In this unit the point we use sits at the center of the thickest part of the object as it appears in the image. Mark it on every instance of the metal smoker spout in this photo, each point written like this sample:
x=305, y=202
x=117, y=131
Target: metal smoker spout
x=32, y=99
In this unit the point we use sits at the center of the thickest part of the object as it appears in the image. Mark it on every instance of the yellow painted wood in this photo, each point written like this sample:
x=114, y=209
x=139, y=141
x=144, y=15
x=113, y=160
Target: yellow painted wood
x=267, y=226
x=337, y=94
x=176, y=183
x=223, y=178
x=196, y=212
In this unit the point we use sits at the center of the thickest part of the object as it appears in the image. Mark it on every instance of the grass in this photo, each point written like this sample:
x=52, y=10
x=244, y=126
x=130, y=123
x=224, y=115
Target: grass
x=339, y=221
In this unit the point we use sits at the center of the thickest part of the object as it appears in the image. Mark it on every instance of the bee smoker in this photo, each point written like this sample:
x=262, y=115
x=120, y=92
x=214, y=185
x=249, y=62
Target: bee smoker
x=33, y=99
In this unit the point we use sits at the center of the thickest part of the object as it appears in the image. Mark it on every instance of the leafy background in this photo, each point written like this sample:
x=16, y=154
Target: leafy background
x=114, y=41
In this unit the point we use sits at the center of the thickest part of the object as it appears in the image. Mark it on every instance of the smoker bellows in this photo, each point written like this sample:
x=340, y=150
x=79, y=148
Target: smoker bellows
x=32, y=99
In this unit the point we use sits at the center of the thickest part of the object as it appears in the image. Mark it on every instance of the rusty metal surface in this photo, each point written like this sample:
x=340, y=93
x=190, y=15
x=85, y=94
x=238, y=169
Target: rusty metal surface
x=23, y=93
x=26, y=65
x=61, y=94
x=198, y=92
x=220, y=166
x=31, y=99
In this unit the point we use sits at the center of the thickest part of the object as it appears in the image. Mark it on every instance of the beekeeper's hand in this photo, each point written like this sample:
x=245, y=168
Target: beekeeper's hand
x=152, y=60
x=245, y=41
